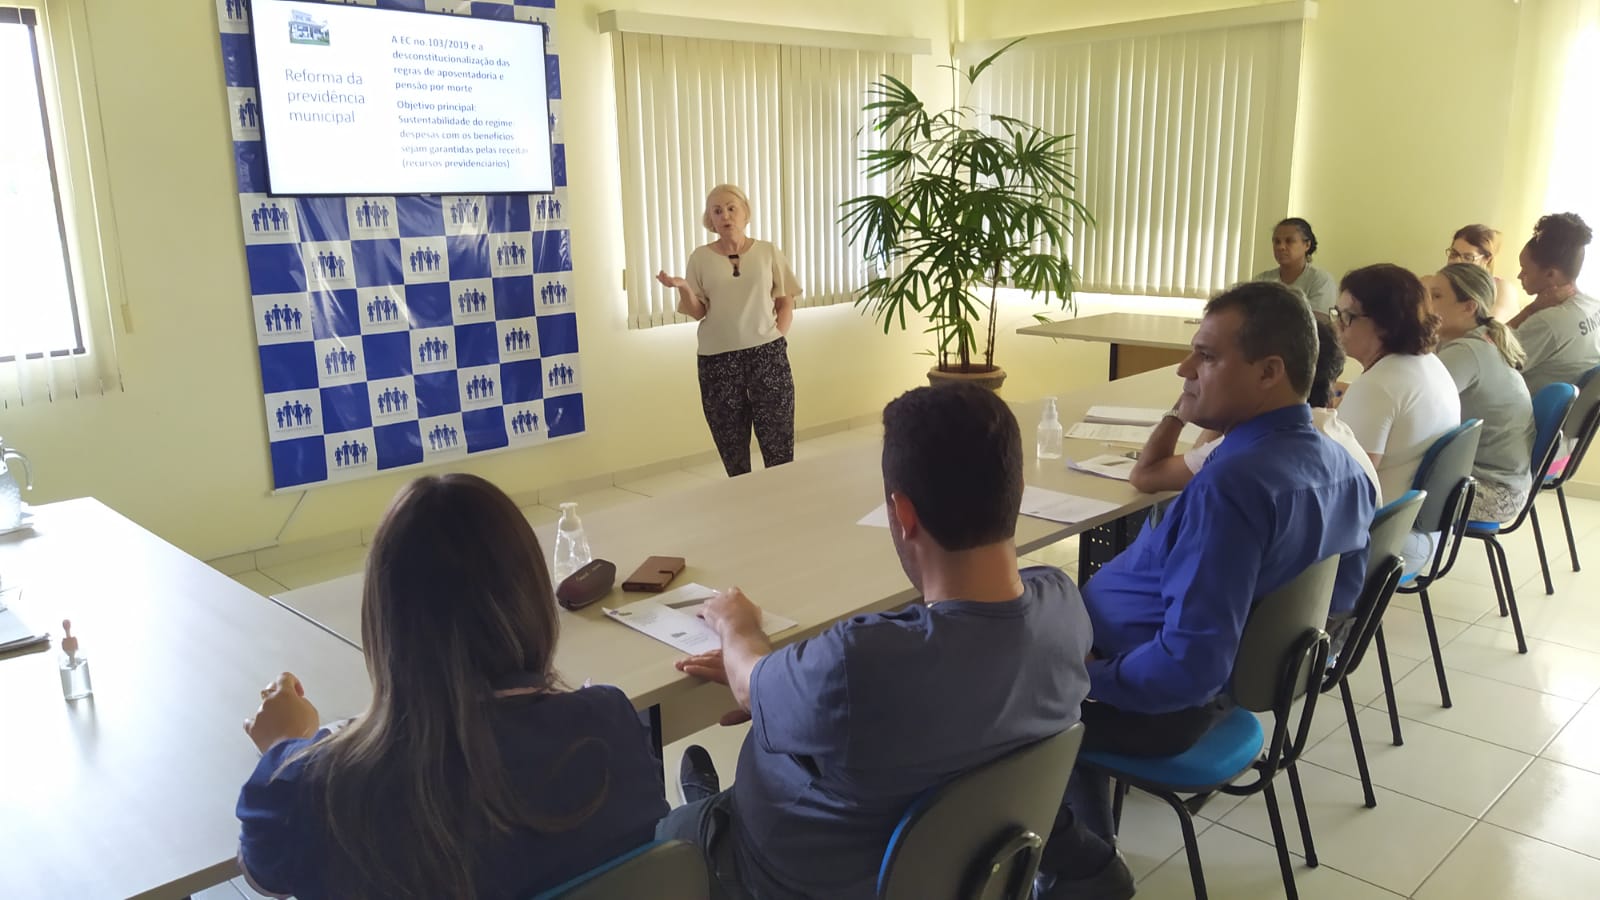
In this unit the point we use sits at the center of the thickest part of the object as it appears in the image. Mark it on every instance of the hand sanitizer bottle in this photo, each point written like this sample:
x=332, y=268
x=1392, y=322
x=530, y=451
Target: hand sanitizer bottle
x=74, y=666
x=572, y=545
x=1049, y=434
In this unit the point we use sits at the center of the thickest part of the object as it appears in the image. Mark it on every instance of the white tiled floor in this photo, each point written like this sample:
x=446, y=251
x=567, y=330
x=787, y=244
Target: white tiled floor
x=1498, y=797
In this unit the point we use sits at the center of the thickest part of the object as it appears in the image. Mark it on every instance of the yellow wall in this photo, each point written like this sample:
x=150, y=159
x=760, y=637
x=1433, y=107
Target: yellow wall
x=1396, y=149
x=183, y=448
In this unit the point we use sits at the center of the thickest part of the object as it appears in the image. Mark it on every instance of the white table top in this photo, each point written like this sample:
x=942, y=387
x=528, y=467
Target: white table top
x=787, y=536
x=1131, y=329
x=131, y=792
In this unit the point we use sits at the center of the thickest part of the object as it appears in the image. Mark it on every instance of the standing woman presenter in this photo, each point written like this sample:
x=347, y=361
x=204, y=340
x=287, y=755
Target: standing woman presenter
x=742, y=292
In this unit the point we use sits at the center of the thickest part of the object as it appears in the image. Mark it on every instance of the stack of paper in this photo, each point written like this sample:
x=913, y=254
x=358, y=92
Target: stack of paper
x=16, y=638
x=1125, y=434
x=671, y=619
x=1109, y=465
x=1069, y=509
x=1124, y=415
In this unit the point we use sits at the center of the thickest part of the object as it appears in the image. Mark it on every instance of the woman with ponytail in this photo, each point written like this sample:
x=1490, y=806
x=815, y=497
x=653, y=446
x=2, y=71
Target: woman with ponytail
x=1484, y=357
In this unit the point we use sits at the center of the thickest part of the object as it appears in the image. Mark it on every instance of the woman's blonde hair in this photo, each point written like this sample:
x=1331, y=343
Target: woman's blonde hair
x=733, y=189
x=1475, y=285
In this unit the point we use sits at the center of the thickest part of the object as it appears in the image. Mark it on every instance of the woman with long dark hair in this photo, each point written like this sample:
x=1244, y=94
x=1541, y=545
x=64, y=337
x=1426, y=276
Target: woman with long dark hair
x=473, y=772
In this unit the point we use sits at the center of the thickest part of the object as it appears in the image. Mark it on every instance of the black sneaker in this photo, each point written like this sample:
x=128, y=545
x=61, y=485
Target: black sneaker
x=1112, y=882
x=697, y=774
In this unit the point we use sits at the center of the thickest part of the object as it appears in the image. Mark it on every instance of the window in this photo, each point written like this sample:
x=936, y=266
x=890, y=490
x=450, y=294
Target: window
x=1184, y=134
x=53, y=345
x=1574, y=181
x=776, y=114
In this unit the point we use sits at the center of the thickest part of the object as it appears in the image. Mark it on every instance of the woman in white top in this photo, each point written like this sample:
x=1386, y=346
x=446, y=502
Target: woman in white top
x=1476, y=245
x=1405, y=399
x=1160, y=469
x=742, y=292
x=1293, y=245
x=1483, y=357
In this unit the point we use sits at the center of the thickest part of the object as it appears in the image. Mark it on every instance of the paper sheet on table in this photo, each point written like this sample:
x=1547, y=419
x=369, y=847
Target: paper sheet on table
x=1124, y=415
x=878, y=518
x=1109, y=465
x=16, y=637
x=670, y=618
x=1067, y=509
x=1125, y=434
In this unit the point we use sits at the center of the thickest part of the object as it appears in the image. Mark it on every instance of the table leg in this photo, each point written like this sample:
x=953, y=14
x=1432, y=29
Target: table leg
x=1113, y=375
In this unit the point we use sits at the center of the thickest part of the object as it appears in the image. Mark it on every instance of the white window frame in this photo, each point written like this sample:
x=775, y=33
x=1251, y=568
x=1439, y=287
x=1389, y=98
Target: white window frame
x=800, y=92
x=77, y=149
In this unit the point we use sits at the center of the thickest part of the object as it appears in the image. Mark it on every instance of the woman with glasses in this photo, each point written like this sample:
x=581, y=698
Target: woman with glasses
x=1405, y=398
x=1293, y=245
x=1483, y=357
x=1476, y=245
x=742, y=292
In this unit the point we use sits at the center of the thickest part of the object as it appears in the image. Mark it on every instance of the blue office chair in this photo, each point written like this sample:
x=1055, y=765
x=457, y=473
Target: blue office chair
x=981, y=835
x=1388, y=533
x=1445, y=476
x=1550, y=408
x=1283, y=655
x=1586, y=412
x=661, y=870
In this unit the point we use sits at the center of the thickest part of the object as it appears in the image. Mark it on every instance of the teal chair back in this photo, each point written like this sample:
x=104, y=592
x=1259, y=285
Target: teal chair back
x=662, y=870
x=980, y=836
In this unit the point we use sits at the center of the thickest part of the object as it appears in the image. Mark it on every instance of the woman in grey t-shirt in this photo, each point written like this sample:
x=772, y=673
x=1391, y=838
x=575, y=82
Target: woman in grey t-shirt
x=1483, y=357
x=1293, y=245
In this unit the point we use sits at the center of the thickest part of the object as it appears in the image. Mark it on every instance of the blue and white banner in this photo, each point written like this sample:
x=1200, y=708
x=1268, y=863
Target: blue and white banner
x=404, y=330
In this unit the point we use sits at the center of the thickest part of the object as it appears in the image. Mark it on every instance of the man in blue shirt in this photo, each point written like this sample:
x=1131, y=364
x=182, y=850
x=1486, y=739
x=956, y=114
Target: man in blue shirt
x=1168, y=612
x=849, y=727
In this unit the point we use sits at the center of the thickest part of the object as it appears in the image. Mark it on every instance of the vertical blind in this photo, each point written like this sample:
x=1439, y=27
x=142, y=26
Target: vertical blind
x=782, y=122
x=1182, y=148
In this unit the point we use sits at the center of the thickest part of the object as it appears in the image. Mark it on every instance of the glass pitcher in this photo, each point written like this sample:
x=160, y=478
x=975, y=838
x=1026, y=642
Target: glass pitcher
x=10, y=492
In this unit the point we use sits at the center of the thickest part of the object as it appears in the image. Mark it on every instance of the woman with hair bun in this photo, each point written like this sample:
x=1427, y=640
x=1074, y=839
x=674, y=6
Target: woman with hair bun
x=1293, y=245
x=1560, y=329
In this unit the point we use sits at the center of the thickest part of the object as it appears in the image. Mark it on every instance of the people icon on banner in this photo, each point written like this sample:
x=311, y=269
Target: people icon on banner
x=294, y=415
x=518, y=339
x=560, y=375
x=350, y=453
x=480, y=387
x=472, y=300
x=425, y=259
x=510, y=253
x=282, y=317
x=247, y=113
x=553, y=294
x=338, y=361
x=443, y=437
x=433, y=350
x=382, y=309
x=465, y=211
x=372, y=215
x=269, y=218
x=237, y=10
x=394, y=400
x=330, y=264
x=548, y=208
x=524, y=423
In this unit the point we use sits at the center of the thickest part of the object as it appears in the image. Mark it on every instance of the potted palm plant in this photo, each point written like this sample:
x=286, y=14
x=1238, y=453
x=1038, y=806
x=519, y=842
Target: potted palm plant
x=976, y=201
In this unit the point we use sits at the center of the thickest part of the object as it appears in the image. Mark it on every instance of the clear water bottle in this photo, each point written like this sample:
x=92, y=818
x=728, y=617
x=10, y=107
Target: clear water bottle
x=1049, y=434
x=74, y=665
x=572, y=545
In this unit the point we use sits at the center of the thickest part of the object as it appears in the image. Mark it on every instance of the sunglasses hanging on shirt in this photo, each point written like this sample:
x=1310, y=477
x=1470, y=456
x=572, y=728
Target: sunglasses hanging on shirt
x=734, y=258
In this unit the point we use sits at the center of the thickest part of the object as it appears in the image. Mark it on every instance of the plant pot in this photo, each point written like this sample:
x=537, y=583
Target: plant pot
x=990, y=377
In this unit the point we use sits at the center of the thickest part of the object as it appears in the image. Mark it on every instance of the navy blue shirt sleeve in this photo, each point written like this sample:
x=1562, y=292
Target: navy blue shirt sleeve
x=269, y=810
x=799, y=697
x=1208, y=585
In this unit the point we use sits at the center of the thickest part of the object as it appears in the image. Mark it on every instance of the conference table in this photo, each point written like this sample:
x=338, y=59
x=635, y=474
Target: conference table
x=1139, y=342
x=789, y=538
x=130, y=793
